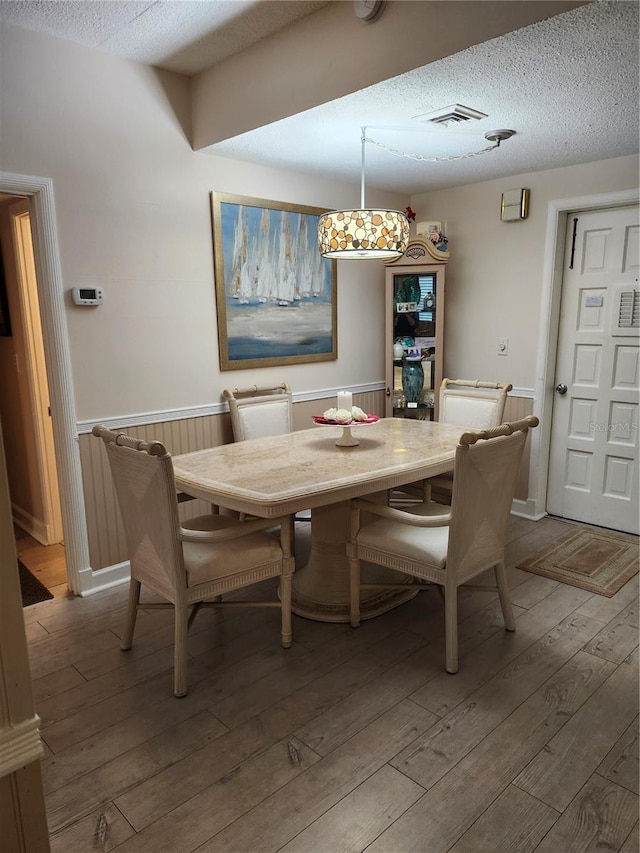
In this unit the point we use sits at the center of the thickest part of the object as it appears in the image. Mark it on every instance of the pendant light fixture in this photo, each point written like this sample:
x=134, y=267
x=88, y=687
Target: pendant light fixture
x=367, y=233
x=363, y=233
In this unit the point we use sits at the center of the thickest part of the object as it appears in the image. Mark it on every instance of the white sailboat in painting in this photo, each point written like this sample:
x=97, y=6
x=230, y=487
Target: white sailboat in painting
x=305, y=259
x=317, y=275
x=264, y=280
x=240, y=275
x=286, y=284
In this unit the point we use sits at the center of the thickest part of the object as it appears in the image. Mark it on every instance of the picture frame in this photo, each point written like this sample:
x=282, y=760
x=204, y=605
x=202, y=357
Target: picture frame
x=276, y=296
x=5, y=319
x=428, y=228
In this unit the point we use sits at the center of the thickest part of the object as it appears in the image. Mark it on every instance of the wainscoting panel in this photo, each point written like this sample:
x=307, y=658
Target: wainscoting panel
x=515, y=409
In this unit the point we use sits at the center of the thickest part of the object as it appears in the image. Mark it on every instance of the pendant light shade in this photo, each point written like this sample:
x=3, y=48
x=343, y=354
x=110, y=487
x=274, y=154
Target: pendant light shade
x=361, y=234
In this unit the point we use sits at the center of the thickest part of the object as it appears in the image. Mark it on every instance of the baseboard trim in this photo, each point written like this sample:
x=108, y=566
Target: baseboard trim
x=33, y=526
x=526, y=509
x=108, y=577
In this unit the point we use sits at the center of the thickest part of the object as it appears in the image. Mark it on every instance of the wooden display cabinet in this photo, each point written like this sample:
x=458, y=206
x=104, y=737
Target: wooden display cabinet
x=414, y=306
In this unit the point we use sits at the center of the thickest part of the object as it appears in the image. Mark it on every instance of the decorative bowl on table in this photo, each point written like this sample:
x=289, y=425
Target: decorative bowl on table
x=322, y=421
x=345, y=418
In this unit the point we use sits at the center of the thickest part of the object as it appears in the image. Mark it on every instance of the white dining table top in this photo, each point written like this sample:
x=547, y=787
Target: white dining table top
x=282, y=474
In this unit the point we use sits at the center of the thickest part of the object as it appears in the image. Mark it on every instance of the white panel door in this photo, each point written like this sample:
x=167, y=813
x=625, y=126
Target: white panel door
x=593, y=473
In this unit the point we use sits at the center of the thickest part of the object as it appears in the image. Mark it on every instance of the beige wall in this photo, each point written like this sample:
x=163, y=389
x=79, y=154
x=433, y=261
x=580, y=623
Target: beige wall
x=133, y=211
x=494, y=276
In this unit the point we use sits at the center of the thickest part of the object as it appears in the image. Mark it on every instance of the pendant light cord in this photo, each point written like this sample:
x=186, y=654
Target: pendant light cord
x=363, y=140
x=421, y=157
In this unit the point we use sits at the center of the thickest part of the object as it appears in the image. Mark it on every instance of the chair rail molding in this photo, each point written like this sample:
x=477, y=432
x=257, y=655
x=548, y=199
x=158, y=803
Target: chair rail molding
x=145, y=418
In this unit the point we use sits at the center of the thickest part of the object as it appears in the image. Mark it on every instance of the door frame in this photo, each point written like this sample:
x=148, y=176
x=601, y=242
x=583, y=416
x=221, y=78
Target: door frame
x=552, y=277
x=50, y=527
x=58, y=358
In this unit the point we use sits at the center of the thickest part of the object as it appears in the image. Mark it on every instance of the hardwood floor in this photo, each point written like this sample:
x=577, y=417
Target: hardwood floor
x=47, y=563
x=351, y=740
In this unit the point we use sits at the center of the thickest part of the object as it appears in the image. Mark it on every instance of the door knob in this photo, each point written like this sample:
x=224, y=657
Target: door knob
x=561, y=389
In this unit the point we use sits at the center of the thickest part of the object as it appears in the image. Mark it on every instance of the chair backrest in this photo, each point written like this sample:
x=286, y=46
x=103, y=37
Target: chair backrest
x=472, y=403
x=145, y=488
x=486, y=471
x=259, y=412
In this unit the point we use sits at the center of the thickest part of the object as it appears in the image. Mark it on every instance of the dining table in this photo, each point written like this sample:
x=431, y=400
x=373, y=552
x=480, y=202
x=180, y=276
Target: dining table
x=317, y=469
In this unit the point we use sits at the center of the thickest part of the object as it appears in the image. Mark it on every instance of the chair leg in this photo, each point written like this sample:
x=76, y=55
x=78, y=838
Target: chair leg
x=354, y=591
x=194, y=612
x=285, y=607
x=180, y=650
x=132, y=612
x=451, y=627
x=505, y=598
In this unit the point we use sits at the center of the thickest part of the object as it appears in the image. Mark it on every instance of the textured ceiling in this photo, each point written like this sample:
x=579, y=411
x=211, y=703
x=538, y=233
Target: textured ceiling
x=185, y=36
x=568, y=86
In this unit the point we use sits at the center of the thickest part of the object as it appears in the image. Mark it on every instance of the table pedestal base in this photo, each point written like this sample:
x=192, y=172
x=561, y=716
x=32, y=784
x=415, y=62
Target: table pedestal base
x=321, y=587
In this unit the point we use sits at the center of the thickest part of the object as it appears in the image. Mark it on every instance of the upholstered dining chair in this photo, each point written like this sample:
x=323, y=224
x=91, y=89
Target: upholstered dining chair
x=257, y=412
x=471, y=403
x=188, y=564
x=447, y=546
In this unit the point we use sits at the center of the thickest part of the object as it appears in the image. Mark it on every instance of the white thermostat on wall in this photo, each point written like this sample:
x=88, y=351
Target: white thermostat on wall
x=87, y=295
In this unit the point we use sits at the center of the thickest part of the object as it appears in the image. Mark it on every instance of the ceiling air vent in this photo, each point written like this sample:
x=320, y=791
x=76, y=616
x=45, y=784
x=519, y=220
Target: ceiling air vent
x=454, y=113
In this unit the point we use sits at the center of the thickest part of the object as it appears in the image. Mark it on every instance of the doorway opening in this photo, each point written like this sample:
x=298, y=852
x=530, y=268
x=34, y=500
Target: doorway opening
x=25, y=403
x=39, y=192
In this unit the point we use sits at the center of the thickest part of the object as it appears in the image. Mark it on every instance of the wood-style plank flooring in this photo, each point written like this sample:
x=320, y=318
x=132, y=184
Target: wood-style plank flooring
x=350, y=740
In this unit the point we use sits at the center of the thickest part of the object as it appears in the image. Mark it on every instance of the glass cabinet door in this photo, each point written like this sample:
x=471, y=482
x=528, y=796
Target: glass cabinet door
x=414, y=330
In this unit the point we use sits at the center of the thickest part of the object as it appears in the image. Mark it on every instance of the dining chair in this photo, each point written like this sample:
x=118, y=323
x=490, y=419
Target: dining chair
x=194, y=563
x=471, y=403
x=257, y=412
x=447, y=546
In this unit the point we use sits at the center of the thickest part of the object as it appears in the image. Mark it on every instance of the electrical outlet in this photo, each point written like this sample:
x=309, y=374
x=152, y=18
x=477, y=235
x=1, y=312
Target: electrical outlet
x=503, y=346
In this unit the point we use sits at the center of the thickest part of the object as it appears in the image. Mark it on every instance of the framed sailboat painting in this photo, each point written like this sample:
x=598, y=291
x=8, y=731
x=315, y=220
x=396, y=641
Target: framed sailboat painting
x=275, y=293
